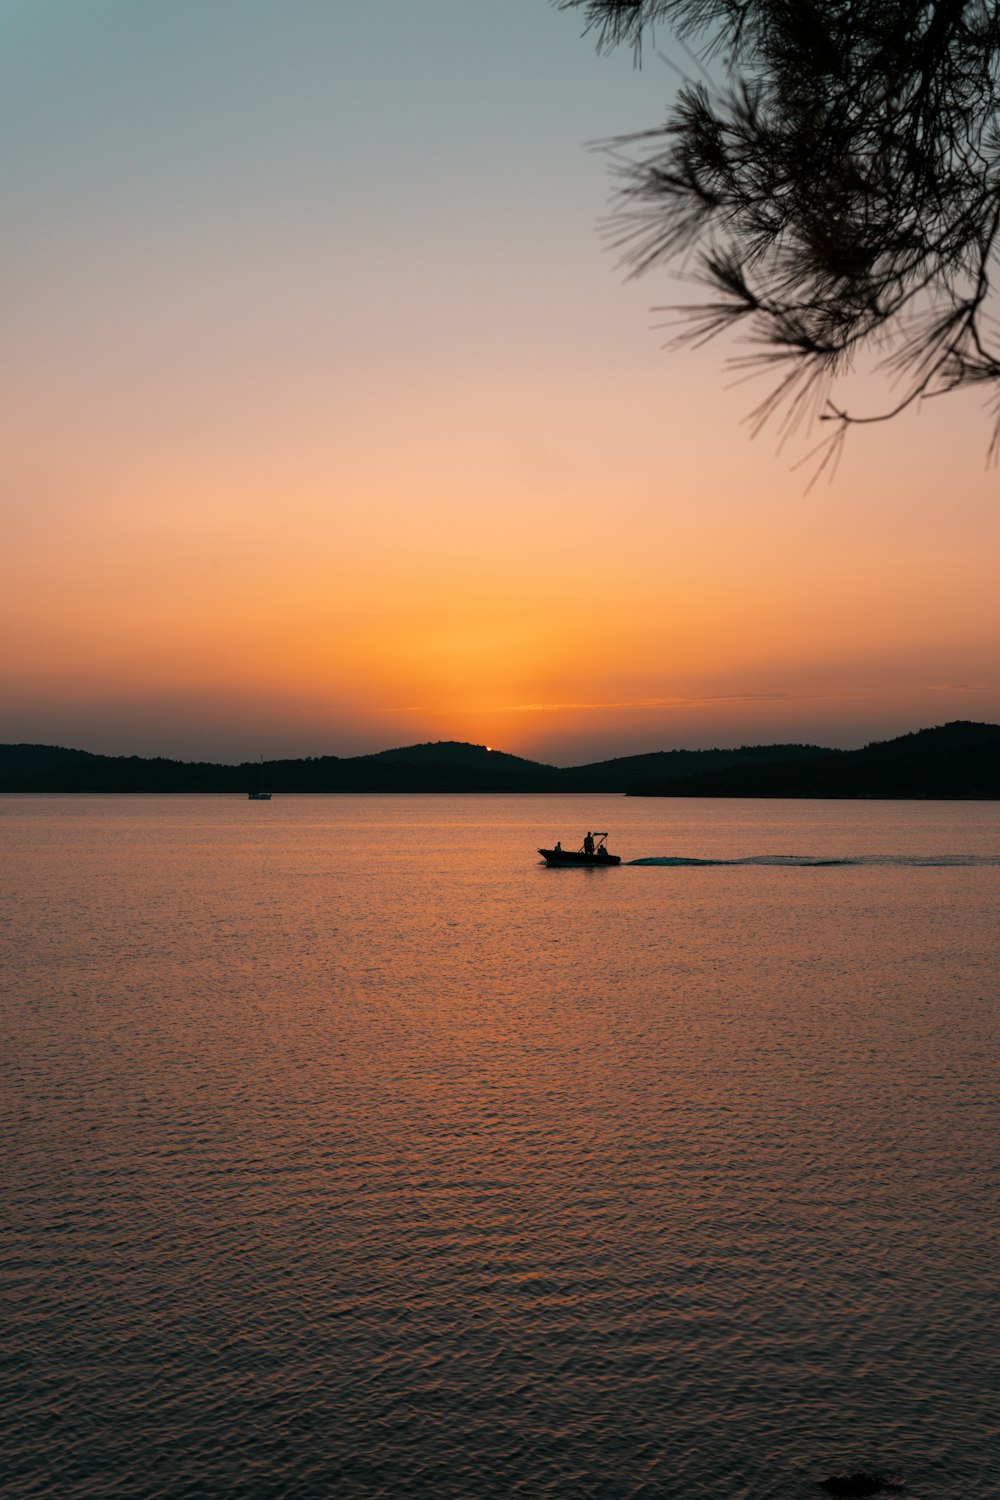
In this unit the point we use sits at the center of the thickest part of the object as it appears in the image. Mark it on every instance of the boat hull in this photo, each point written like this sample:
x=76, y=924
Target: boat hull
x=577, y=857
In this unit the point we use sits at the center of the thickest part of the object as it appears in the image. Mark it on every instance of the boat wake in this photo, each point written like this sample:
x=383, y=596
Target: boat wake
x=809, y=862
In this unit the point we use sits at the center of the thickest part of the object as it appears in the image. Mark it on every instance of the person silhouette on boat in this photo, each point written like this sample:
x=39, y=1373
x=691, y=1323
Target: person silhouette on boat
x=558, y=848
x=588, y=843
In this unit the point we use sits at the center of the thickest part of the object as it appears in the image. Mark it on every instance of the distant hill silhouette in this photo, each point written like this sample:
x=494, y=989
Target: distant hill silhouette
x=415, y=768
x=665, y=767
x=30, y=760
x=956, y=760
x=463, y=757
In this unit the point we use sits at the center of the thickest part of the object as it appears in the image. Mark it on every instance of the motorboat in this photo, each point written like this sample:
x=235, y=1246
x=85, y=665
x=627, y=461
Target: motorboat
x=596, y=854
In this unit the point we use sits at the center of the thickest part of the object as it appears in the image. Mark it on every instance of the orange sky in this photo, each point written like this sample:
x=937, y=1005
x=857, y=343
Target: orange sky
x=334, y=427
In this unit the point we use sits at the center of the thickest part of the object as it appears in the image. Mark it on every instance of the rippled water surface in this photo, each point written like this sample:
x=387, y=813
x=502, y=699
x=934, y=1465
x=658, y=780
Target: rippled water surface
x=349, y=1151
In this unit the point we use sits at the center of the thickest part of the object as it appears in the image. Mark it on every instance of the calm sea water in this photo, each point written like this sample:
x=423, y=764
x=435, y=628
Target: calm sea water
x=348, y=1151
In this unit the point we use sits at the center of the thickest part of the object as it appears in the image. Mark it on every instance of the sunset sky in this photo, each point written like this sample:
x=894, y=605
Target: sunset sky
x=331, y=422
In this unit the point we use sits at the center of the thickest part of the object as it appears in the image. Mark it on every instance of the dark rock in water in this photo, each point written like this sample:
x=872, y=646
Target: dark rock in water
x=857, y=1484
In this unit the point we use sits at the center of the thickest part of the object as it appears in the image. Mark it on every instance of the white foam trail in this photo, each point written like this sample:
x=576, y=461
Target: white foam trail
x=807, y=861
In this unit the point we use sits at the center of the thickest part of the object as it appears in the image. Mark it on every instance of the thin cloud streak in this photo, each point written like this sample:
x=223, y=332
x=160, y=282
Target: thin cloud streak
x=698, y=700
x=653, y=703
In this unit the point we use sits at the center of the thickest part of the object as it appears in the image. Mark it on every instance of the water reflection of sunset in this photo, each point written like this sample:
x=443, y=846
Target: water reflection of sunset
x=373, y=1148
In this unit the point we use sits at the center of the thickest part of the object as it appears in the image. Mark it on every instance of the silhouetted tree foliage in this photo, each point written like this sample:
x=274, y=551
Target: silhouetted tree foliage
x=838, y=194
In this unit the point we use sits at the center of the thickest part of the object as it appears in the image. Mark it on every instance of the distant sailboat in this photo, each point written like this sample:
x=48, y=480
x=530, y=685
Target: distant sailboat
x=261, y=795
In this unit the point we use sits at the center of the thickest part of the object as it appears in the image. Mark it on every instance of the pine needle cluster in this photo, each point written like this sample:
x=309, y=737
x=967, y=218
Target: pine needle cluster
x=837, y=194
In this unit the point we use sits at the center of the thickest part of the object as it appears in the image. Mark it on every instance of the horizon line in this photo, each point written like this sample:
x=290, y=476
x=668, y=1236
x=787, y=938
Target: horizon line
x=494, y=750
